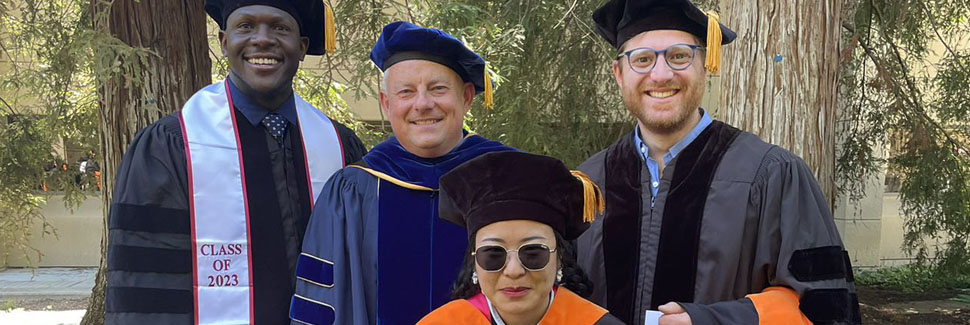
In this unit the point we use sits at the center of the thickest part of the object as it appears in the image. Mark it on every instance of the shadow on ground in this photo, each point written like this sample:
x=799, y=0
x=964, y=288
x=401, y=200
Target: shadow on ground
x=888, y=306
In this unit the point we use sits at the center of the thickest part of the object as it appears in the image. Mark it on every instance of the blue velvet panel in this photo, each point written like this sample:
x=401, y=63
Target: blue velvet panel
x=418, y=255
x=310, y=312
x=314, y=270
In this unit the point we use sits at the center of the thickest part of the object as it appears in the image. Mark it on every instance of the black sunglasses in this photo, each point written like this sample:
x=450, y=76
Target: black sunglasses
x=532, y=257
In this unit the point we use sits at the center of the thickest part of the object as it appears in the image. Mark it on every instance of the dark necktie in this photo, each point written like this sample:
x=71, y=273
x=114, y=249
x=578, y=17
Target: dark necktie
x=276, y=125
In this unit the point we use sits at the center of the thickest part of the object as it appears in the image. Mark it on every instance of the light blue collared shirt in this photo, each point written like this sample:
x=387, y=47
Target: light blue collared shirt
x=652, y=165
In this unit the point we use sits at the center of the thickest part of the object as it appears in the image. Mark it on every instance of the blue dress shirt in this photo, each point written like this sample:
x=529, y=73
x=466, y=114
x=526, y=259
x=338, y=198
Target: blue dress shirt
x=652, y=165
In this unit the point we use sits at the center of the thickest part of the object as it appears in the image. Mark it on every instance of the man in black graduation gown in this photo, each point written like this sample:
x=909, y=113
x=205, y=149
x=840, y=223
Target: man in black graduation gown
x=282, y=151
x=704, y=222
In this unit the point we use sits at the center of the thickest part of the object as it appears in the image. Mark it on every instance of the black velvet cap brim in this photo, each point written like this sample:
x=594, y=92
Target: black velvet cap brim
x=309, y=15
x=620, y=20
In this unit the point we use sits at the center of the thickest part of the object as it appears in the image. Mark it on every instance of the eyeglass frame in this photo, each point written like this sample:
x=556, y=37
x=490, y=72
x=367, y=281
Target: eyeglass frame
x=508, y=252
x=693, y=50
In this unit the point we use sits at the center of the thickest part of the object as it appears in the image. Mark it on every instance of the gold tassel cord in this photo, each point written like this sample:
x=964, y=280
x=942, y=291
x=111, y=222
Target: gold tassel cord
x=329, y=29
x=489, y=101
x=593, y=203
x=713, y=61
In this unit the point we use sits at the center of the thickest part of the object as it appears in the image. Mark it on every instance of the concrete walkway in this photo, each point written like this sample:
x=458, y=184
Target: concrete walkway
x=53, y=286
x=19, y=316
x=25, y=283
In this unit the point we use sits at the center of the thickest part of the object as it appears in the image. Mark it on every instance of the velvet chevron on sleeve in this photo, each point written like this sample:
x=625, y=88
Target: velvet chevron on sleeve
x=149, y=260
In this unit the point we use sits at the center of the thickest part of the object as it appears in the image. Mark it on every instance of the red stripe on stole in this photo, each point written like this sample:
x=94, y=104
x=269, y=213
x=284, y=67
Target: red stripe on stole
x=195, y=262
x=242, y=177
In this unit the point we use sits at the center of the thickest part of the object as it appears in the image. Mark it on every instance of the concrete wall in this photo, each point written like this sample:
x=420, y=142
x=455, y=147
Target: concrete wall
x=78, y=240
x=861, y=223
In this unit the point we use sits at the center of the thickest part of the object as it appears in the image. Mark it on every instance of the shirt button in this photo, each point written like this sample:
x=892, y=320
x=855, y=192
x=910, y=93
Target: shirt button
x=643, y=150
x=655, y=184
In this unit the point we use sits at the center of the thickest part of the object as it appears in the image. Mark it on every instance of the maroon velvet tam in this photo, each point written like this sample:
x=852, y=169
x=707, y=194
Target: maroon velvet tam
x=512, y=185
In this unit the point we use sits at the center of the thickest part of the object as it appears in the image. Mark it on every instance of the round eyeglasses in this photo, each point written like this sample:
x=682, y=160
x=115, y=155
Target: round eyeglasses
x=677, y=56
x=532, y=257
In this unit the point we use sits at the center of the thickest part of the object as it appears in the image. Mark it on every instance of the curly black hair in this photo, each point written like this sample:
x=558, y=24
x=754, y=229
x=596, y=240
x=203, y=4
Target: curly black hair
x=573, y=277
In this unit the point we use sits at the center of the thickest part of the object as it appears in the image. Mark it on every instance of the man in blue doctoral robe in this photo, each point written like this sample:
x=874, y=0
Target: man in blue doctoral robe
x=375, y=250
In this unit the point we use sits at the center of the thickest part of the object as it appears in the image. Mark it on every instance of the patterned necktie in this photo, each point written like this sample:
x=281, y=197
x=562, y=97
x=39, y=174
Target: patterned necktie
x=276, y=125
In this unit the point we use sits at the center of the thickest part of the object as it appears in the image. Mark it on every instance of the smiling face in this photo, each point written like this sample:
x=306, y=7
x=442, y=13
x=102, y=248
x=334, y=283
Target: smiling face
x=663, y=100
x=264, y=48
x=515, y=292
x=426, y=103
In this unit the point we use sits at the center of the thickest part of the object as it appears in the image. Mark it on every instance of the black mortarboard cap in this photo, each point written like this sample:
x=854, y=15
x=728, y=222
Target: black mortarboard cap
x=512, y=185
x=314, y=17
x=401, y=41
x=618, y=21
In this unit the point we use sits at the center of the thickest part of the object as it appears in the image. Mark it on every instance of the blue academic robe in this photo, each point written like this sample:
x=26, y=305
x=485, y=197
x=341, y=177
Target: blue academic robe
x=375, y=250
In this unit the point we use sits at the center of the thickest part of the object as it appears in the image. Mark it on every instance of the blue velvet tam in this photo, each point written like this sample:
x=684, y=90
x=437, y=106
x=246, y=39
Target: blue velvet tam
x=309, y=14
x=402, y=41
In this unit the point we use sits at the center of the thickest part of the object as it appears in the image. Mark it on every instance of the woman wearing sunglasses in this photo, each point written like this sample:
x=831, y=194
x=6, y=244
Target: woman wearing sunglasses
x=520, y=211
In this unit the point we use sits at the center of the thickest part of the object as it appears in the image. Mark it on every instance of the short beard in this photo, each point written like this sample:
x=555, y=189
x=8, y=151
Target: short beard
x=692, y=103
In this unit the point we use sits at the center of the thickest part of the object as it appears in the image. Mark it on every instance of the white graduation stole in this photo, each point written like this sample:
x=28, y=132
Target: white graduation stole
x=222, y=277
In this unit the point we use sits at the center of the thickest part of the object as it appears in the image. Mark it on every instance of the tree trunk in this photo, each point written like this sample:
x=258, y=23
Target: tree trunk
x=780, y=77
x=175, y=33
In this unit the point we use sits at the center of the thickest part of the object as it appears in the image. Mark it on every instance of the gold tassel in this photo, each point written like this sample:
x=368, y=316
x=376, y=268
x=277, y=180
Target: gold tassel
x=329, y=29
x=713, y=61
x=593, y=203
x=489, y=101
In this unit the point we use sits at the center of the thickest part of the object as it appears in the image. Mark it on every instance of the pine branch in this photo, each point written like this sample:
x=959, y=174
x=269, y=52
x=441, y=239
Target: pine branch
x=929, y=16
x=910, y=84
x=12, y=110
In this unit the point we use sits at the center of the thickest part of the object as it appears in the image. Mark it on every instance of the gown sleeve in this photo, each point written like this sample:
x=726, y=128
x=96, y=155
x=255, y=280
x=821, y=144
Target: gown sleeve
x=334, y=271
x=798, y=251
x=149, y=262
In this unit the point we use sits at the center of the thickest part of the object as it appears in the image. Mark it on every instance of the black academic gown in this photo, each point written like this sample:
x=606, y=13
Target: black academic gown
x=149, y=248
x=739, y=233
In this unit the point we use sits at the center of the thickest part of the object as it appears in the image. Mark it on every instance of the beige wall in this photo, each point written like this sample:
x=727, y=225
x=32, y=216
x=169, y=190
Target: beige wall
x=78, y=240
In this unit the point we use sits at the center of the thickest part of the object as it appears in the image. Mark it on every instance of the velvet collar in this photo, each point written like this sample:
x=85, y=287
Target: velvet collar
x=390, y=157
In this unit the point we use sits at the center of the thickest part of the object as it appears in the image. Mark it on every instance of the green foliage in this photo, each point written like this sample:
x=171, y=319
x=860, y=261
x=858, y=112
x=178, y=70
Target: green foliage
x=906, y=67
x=912, y=278
x=43, y=103
x=48, y=74
x=8, y=305
x=326, y=95
x=963, y=297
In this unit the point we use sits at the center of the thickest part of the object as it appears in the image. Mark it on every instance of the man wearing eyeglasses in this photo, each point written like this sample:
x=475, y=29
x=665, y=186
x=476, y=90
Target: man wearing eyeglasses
x=704, y=222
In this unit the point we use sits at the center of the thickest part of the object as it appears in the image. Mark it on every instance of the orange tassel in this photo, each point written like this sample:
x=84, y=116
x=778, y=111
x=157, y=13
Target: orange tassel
x=593, y=203
x=329, y=29
x=713, y=61
x=489, y=100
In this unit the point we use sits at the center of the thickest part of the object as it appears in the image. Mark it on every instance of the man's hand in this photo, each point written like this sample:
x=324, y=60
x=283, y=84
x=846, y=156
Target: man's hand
x=674, y=314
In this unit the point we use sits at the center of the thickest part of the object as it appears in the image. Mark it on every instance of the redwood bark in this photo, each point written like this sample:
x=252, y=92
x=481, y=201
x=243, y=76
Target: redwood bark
x=779, y=79
x=175, y=32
